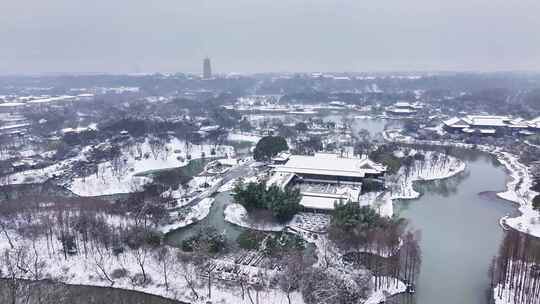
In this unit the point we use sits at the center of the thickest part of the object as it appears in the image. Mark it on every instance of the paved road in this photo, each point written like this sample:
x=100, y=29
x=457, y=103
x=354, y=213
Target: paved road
x=244, y=169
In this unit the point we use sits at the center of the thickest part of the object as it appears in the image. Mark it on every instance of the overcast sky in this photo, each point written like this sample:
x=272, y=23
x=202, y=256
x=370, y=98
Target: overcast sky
x=40, y=36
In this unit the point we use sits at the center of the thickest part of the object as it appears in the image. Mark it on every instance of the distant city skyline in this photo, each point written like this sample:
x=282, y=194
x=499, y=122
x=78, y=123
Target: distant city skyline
x=128, y=36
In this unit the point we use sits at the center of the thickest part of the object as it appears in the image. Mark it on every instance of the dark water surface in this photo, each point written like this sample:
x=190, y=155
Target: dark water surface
x=458, y=220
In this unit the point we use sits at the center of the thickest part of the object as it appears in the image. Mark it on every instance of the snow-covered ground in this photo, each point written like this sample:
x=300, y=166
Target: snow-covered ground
x=228, y=186
x=111, y=180
x=193, y=215
x=43, y=174
x=238, y=215
x=244, y=137
x=123, y=175
x=92, y=271
x=435, y=166
x=519, y=287
x=392, y=288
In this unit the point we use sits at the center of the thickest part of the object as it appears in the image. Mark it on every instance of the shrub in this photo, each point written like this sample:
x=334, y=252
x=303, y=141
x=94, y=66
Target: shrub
x=119, y=273
x=138, y=279
x=536, y=203
x=207, y=239
x=250, y=240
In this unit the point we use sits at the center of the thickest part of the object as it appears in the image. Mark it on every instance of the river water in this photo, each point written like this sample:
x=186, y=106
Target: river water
x=460, y=233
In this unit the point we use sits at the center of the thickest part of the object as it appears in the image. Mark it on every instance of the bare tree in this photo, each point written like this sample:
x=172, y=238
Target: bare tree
x=189, y=271
x=165, y=259
x=290, y=277
x=101, y=261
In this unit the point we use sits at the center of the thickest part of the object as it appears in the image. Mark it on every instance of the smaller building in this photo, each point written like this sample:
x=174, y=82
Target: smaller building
x=281, y=158
x=534, y=125
x=404, y=109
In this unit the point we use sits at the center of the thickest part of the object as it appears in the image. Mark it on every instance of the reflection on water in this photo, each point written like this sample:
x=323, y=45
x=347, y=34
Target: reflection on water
x=460, y=233
x=444, y=187
x=215, y=219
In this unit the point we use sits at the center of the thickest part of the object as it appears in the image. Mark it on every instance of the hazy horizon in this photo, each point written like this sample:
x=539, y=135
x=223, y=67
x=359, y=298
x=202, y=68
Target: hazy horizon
x=130, y=36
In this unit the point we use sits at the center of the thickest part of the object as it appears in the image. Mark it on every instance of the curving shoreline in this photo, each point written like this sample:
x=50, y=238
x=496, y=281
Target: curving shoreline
x=517, y=187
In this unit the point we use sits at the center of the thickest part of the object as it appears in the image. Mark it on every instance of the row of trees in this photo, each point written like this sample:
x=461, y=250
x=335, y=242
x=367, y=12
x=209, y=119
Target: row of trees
x=515, y=271
x=379, y=243
x=88, y=229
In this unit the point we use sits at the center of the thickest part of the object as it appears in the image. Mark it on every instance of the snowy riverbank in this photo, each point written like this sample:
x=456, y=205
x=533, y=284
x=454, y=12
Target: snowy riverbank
x=517, y=187
x=435, y=166
x=236, y=214
x=518, y=191
x=194, y=214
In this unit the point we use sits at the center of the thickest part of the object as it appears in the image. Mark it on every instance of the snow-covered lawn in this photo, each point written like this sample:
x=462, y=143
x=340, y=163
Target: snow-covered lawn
x=238, y=215
x=195, y=214
x=436, y=166
x=244, y=137
x=43, y=174
x=123, y=174
x=111, y=180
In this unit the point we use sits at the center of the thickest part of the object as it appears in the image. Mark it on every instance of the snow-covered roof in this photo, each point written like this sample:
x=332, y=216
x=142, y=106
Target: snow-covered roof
x=282, y=156
x=518, y=123
x=456, y=122
x=403, y=104
x=525, y=132
x=487, y=120
x=536, y=120
x=91, y=127
x=209, y=128
x=228, y=161
x=487, y=131
x=331, y=165
x=400, y=110
x=318, y=202
x=52, y=99
x=11, y=104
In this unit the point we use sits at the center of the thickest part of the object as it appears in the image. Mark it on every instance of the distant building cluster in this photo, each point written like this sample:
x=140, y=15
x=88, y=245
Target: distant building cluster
x=404, y=108
x=491, y=125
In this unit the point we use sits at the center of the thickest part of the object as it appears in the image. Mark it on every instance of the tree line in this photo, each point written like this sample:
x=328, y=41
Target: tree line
x=516, y=268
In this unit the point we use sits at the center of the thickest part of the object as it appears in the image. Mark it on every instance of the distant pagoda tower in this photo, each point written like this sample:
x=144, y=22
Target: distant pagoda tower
x=207, y=68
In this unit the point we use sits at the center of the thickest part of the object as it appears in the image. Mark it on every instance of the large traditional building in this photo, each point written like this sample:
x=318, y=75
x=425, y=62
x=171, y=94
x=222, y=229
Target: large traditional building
x=489, y=125
x=324, y=178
